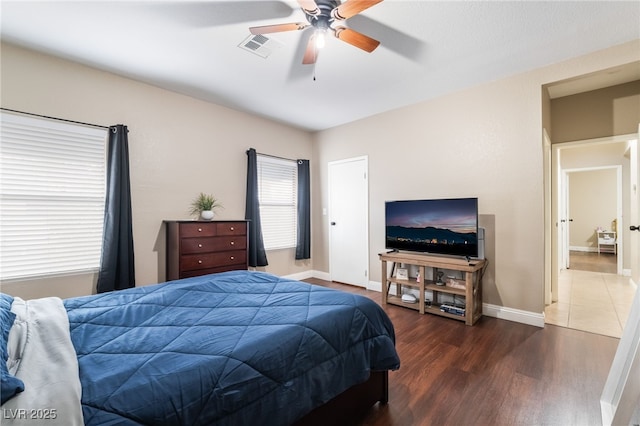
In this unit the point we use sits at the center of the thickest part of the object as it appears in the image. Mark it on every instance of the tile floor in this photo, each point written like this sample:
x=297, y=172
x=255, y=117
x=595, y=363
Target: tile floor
x=592, y=301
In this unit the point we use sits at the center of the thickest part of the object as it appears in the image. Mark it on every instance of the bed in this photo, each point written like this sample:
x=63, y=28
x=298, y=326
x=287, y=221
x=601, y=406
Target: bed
x=232, y=348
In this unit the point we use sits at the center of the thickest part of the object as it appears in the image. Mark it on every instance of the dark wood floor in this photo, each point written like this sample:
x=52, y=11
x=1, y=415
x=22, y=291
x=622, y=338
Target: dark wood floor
x=494, y=373
x=594, y=262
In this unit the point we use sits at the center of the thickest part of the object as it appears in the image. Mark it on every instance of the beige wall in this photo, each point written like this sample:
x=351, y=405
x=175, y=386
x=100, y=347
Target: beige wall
x=179, y=146
x=484, y=142
x=598, y=113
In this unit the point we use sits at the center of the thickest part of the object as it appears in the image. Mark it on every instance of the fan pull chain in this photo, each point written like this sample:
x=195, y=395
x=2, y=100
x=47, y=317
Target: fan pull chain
x=314, y=70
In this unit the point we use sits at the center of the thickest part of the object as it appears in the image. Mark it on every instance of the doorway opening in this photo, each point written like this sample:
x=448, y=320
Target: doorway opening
x=590, y=209
x=590, y=289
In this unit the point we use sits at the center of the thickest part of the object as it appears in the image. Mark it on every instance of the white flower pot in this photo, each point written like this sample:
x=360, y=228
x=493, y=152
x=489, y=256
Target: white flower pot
x=206, y=214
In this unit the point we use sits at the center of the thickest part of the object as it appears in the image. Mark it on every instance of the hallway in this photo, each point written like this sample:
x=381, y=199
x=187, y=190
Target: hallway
x=596, y=302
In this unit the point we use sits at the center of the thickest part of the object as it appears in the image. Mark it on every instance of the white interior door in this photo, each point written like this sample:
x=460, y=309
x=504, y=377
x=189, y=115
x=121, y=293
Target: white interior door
x=349, y=221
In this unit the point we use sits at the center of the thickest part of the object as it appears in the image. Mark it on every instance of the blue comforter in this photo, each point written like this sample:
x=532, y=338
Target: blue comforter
x=235, y=348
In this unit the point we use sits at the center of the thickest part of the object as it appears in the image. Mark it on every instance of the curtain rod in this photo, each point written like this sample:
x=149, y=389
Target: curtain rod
x=55, y=118
x=274, y=156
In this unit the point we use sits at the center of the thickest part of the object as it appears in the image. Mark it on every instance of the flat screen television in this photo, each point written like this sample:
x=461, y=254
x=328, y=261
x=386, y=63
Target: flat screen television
x=438, y=226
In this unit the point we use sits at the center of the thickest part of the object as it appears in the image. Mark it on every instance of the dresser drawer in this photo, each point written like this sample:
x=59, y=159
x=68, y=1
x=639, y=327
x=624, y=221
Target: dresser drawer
x=209, y=244
x=223, y=268
x=198, y=229
x=231, y=228
x=191, y=262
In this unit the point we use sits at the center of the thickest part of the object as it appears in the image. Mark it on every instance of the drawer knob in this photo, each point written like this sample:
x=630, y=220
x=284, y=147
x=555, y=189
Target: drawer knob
x=199, y=262
x=233, y=258
x=200, y=245
x=199, y=229
x=233, y=229
x=233, y=242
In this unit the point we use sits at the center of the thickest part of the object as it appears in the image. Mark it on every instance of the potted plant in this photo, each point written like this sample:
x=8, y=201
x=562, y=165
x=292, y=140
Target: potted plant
x=203, y=205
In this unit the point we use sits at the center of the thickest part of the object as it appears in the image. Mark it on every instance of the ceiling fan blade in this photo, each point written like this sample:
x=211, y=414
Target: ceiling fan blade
x=267, y=29
x=352, y=7
x=356, y=39
x=310, y=7
x=311, y=53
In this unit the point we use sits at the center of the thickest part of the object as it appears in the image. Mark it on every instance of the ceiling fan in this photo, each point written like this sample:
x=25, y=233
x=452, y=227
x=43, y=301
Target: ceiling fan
x=321, y=15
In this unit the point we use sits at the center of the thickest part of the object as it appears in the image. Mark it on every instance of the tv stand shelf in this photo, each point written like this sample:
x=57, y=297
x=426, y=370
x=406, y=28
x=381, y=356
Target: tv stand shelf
x=471, y=272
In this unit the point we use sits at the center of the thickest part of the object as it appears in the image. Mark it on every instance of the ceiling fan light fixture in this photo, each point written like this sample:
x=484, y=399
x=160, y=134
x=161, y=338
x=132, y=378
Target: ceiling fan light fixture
x=320, y=38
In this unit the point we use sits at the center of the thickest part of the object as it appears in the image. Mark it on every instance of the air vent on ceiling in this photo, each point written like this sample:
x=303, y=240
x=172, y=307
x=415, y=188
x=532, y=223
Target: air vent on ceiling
x=260, y=45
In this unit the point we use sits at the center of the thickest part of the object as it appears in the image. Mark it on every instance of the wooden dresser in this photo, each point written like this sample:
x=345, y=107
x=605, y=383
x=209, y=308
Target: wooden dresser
x=204, y=247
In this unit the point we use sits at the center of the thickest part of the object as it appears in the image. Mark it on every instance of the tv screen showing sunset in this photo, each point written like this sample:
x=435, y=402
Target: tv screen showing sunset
x=443, y=226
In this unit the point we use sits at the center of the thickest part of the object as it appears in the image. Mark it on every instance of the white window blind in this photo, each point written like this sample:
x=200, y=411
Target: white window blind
x=277, y=186
x=52, y=192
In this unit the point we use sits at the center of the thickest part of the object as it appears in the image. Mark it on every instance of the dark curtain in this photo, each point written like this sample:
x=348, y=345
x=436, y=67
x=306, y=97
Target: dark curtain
x=303, y=243
x=117, y=270
x=257, y=254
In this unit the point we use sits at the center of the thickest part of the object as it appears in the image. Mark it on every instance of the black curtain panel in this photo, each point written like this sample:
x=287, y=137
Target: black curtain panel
x=303, y=243
x=117, y=270
x=257, y=254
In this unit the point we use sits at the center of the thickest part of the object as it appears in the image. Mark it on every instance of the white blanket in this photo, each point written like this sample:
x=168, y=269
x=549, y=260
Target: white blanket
x=42, y=356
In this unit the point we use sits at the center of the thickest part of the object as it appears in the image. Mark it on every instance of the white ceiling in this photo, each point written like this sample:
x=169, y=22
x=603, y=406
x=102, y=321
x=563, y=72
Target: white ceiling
x=428, y=48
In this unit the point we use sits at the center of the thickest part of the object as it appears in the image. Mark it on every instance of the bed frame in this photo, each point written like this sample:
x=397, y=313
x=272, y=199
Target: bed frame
x=351, y=405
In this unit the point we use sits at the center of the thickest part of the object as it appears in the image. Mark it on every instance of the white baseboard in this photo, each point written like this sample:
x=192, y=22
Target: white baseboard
x=308, y=274
x=586, y=249
x=516, y=315
x=375, y=286
x=322, y=275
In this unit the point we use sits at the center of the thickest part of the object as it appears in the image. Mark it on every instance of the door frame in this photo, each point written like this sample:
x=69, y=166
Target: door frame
x=366, y=267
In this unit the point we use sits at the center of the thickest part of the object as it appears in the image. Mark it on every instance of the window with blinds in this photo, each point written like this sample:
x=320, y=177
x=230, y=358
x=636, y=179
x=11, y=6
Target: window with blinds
x=277, y=186
x=52, y=192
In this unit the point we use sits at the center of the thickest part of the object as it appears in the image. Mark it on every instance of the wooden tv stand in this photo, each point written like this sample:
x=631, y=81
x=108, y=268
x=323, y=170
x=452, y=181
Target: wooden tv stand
x=471, y=278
